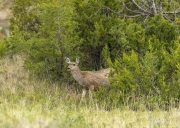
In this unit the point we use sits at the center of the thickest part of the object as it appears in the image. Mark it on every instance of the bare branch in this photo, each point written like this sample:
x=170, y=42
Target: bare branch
x=136, y=12
x=94, y=13
x=105, y=7
x=139, y=7
x=160, y=5
x=166, y=17
x=112, y=10
x=173, y=12
x=152, y=7
x=132, y=16
x=144, y=3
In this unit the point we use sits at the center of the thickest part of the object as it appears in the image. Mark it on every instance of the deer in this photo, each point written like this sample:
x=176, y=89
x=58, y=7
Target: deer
x=89, y=80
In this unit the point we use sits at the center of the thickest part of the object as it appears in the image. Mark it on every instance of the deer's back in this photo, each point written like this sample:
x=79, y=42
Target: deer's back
x=89, y=78
x=96, y=78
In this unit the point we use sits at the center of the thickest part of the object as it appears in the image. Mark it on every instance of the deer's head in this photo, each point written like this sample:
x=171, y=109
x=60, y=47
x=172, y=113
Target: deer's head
x=72, y=65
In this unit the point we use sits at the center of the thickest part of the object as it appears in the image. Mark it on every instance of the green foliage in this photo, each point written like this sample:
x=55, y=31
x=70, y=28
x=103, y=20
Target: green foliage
x=45, y=31
x=143, y=53
x=95, y=22
x=3, y=48
x=30, y=102
x=162, y=29
x=127, y=35
x=153, y=68
x=17, y=42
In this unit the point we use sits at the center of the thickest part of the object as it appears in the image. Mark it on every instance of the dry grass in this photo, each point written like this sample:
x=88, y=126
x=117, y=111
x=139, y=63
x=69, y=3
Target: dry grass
x=30, y=103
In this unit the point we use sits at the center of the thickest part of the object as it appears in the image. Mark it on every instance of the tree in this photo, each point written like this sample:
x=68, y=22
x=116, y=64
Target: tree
x=45, y=31
x=141, y=8
x=95, y=22
x=143, y=50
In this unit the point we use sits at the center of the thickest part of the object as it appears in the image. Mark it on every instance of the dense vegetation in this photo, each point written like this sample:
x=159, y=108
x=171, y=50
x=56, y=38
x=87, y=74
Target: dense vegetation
x=28, y=102
x=141, y=44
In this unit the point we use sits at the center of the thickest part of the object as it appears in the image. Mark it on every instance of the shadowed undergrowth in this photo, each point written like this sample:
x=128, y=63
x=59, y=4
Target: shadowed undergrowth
x=29, y=102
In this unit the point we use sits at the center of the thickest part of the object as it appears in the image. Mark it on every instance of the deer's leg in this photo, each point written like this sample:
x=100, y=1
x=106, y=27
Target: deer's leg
x=91, y=89
x=83, y=94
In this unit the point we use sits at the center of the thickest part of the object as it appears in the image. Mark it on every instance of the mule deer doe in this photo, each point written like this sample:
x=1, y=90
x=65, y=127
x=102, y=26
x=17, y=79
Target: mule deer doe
x=89, y=80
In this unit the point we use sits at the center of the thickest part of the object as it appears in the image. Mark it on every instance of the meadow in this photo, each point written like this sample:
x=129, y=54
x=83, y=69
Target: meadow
x=28, y=102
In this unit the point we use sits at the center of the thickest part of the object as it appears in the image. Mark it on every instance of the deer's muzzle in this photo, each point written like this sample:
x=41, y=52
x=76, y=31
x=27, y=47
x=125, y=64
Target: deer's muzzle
x=68, y=68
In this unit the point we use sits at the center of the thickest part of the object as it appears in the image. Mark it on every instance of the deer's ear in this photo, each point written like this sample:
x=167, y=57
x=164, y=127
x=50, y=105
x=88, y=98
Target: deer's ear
x=77, y=60
x=67, y=60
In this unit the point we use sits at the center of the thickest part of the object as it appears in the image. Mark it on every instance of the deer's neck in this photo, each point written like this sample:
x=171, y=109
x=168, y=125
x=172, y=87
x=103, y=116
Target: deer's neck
x=77, y=74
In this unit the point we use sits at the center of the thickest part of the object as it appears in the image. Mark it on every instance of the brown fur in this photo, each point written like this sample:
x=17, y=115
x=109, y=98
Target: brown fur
x=89, y=80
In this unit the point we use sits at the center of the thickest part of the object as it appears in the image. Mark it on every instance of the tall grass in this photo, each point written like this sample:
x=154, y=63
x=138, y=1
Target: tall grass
x=27, y=102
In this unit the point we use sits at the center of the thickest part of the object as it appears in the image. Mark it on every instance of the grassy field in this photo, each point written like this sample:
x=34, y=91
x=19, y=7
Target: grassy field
x=30, y=103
